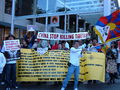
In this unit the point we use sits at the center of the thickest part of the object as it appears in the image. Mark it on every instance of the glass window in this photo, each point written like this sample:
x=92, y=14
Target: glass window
x=81, y=6
x=119, y=3
x=24, y=7
x=8, y=6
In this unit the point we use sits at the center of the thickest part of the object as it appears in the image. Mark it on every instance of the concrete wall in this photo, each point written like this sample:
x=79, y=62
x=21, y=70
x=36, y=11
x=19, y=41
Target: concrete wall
x=7, y=19
x=41, y=28
x=2, y=8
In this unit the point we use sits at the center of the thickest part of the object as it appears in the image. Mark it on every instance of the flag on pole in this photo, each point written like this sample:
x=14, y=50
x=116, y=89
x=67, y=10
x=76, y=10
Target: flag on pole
x=108, y=27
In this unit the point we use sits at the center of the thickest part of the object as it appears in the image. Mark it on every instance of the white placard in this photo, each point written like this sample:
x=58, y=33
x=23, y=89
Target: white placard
x=11, y=45
x=62, y=36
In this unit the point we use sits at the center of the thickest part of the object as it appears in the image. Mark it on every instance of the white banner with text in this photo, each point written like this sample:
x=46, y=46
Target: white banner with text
x=63, y=36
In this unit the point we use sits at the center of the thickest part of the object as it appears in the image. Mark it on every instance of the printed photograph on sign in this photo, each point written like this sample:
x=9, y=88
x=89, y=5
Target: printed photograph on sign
x=54, y=21
x=31, y=28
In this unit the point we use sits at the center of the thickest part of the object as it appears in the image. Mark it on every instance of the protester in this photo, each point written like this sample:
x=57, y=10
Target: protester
x=67, y=45
x=92, y=48
x=93, y=45
x=111, y=65
x=11, y=57
x=89, y=44
x=2, y=65
x=42, y=47
x=63, y=46
x=95, y=42
x=114, y=49
x=81, y=44
x=60, y=46
x=118, y=61
x=24, y=44
x=35, y=45
x=115, y=52
x=55, y=46
x=30, y=39
x=75, y=54
x=49, y=45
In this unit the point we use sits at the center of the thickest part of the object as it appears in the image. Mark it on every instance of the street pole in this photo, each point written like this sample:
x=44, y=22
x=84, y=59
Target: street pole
x=46, y=22
x=84, y=26
x=107, y=11
x=34, y=11
x=68, y=22
x=107, y=7
x=13, y=16
x=76, y=23
x=65, y=18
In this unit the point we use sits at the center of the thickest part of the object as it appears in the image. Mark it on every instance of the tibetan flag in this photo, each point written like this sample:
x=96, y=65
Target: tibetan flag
x=108, y=27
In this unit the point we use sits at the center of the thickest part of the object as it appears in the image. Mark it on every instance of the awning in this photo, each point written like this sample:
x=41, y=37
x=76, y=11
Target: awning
x=9, y=25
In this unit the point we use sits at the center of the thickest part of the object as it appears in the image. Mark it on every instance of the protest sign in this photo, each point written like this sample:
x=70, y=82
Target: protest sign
x=93, y=66
x=11, y=45
x=52, y=66
x=31, y=28
x=62, y=36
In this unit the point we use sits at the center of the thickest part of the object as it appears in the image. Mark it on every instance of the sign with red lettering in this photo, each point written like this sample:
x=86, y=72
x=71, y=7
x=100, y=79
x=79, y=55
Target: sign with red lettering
x=63, y=36
x=11, y=45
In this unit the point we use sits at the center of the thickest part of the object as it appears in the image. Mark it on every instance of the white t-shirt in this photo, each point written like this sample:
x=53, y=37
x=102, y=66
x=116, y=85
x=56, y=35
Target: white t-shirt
x=42, y=50
x=75, y=55
x=67, y=45
x=2, y=62
x=11, y=61
x=82, y=46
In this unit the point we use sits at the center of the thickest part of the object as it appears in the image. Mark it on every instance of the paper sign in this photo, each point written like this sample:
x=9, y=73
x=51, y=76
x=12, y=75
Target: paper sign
x=62, y=36
x=11, y=45
x=31, y=27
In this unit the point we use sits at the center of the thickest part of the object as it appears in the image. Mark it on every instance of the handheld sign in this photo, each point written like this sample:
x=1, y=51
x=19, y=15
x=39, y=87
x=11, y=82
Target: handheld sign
x=31, y=28
x=62, y=36
x=11, y=45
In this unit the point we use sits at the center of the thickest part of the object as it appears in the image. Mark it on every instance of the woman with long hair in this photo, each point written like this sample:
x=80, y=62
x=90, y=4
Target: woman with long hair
x=11, y=57
x=111, y=64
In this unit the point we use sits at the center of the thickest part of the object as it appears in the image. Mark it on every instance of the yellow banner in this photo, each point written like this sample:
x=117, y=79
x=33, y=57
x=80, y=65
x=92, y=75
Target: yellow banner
x=93, y=67
x=52, y=66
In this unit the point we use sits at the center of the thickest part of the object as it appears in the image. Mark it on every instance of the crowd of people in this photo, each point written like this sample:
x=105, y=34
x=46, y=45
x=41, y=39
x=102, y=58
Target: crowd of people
x=8, y=58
